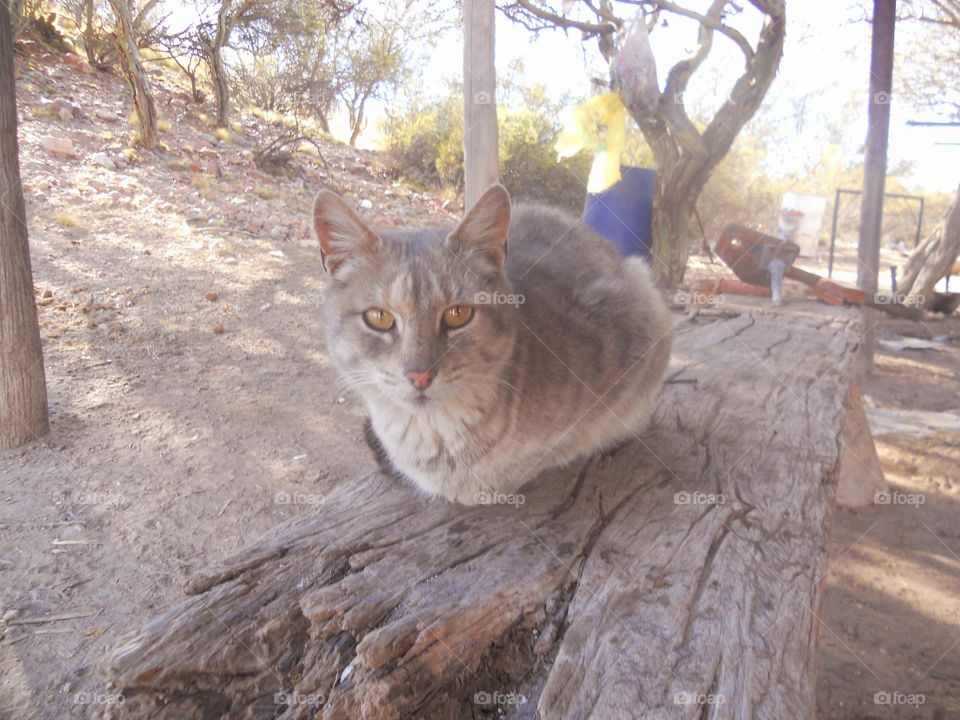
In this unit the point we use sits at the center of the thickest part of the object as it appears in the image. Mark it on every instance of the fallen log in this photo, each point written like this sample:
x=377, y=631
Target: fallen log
x=680, y=571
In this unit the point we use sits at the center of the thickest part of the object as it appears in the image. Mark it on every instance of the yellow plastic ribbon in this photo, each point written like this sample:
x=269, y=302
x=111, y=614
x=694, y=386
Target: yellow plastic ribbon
x=600, y=122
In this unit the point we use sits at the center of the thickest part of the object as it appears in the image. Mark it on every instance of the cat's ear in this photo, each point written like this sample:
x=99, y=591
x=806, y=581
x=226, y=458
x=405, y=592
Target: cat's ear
x=343, y=236
x=484, y=229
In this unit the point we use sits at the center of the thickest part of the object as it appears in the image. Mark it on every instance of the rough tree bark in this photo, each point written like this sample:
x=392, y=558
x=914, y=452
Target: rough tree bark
x=23, y=389
x=932, y=258
x=676, y=577
x=136, y=76
x=684, y=156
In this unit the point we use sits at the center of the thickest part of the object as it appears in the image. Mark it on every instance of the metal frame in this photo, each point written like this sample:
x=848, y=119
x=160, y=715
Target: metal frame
x=836, y=214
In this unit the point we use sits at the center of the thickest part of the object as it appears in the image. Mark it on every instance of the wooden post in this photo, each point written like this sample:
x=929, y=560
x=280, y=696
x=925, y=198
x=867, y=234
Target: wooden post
x=480, y=144
x=23, y=390
x=875, y=161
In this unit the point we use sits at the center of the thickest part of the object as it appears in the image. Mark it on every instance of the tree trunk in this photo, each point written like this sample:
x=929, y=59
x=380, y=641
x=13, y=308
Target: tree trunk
x=218, y=71
x=88, y=34
x=136, y=76
x=23, y=390
x=357, y=123
x=684, y=156
x=931, y=260
x=678, y=576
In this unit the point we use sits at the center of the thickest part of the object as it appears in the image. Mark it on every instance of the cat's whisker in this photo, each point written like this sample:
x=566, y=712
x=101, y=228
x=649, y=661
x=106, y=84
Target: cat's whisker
x=474, y=379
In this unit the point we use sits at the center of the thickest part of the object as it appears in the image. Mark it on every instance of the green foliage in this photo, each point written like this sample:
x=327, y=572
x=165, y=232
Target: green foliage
x=424, y=143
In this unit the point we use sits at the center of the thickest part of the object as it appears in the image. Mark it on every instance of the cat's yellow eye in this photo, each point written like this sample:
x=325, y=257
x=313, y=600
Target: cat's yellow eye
x=379, y=319
x=457, y=316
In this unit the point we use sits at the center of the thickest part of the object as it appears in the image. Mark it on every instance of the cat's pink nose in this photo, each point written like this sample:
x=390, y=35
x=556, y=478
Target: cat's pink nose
x=421, y=380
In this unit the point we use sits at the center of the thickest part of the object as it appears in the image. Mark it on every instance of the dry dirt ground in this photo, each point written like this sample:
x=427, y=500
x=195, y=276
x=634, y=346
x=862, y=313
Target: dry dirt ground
x=193, y=407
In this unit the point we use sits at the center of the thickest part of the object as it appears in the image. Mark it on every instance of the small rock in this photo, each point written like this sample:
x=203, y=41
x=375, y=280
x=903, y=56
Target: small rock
x=229, y=261
x=264, y=307
x=48, y=293
x=78, y=62
x=62, y=106
x=103, y=160
x=276, y=233
x=218, y=328
x=212, y=296
x=276, y=254
x=106, y=115
x=366, y=204
x=96, y=185
x=213, y=167
x=59, y=146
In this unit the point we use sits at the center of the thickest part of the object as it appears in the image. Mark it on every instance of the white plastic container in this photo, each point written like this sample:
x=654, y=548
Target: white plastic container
x=801, y=217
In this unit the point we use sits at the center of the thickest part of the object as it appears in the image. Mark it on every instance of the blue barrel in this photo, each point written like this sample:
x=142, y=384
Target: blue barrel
x=622, y=212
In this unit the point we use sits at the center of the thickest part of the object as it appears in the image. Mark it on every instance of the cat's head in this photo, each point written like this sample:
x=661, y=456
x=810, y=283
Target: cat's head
x=409, y=316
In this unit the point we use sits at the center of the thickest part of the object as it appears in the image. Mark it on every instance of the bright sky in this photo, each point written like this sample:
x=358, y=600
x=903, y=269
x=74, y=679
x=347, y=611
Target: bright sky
x=824, y=71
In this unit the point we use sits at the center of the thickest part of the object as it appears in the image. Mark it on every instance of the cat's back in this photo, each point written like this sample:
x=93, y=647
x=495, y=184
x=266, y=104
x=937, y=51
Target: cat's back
x=560, y=266
x=551, y=244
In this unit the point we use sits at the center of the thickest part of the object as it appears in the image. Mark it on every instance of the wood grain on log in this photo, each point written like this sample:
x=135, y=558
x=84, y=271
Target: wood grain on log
x=681, y=569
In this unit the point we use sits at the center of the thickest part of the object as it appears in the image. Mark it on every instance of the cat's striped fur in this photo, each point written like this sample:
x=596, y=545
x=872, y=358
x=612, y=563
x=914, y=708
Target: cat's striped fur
x=564, y=356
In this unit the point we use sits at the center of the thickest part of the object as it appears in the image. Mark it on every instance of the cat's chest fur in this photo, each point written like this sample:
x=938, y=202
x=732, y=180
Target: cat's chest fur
x=444, y=446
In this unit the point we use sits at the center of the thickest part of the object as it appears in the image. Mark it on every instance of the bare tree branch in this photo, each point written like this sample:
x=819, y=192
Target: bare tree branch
x=589, y=29
x=708, y=20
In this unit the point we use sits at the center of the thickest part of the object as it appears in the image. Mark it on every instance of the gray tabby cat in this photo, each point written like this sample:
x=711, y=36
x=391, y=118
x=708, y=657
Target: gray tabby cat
x=481, y=367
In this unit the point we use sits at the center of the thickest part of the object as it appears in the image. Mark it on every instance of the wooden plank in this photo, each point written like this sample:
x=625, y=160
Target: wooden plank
x=679, y=571
x=480, y=141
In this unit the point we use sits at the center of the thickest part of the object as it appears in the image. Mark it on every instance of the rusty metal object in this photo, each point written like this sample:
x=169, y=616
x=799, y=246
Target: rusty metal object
x=752, y=255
